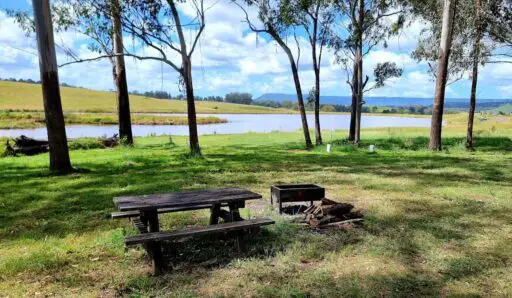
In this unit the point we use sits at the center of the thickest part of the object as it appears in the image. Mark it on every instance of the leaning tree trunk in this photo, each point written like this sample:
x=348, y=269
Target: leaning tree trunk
x=298, y=89
x=442, y=74
x=123, y=99
x=54, y=116
x=352, y=131
x=300, y=103
x=474, y=80
x=191, y=108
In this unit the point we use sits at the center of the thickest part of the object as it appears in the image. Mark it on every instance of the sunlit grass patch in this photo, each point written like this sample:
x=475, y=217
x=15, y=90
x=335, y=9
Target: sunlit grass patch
x=435, y=224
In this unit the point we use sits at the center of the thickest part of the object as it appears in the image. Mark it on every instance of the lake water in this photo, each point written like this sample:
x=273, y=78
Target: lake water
x=237, y=124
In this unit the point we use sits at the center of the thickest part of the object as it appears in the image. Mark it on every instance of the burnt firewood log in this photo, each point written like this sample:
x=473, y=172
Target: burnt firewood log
x=32, y=150
x=9, y=151
x=111, y=142
x=24, y=141
x=338, y=209
x=26, y=146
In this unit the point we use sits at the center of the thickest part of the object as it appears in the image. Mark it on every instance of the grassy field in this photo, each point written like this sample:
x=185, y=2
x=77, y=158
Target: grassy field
x=436, y=224
x=27, y=97
x=36, y=119
x=506, y=109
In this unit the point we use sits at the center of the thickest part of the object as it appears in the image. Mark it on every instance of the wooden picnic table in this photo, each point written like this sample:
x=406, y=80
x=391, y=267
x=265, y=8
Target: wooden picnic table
x=148, y=207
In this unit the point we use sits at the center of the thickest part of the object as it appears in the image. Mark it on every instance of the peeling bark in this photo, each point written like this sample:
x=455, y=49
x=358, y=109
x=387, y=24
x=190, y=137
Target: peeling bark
x=123, y=99
x=54, y=116
x=442, y=74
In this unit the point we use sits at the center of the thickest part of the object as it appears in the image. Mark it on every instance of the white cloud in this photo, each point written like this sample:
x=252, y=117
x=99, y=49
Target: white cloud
x=506, y=91
x=230, y=57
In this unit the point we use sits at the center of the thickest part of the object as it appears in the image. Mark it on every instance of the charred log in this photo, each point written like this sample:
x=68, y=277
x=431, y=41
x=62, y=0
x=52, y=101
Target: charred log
x=328, y=213
x=110, y=142
x=26, y=146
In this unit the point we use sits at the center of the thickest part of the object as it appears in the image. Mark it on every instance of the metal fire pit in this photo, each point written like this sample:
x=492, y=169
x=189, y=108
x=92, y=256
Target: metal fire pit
x=295, y=193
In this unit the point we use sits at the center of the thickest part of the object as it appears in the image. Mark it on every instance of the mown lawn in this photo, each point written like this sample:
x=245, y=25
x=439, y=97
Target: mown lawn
x=436, y=224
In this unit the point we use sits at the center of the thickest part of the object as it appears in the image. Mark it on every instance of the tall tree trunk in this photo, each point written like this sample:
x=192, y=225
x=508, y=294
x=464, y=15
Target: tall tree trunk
x=300, y=103
x=318, y=131
x=123, y=99
x=442, y=74
x=316, y=69
x=191, y=109
x=298, y=88
x=359, y=97
x=352, y=131
x=474, y=79
x=359, y=62
x=54, y=116
x=186, y=73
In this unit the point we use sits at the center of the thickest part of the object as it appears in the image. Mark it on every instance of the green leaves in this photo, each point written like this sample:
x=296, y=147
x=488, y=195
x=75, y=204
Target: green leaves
x=385, y=71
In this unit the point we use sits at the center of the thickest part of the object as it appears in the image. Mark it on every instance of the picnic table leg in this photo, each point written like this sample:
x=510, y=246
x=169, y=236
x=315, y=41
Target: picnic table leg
x=155, y=248
x=215, y=212
x=235, y=212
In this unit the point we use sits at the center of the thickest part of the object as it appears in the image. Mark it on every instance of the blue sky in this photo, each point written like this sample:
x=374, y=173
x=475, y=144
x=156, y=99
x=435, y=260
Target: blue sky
x=231, y=58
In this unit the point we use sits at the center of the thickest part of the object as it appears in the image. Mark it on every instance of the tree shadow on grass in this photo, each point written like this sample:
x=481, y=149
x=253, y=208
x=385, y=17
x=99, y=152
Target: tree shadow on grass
x=81, y=202
x=483, y=144
x=37, y=205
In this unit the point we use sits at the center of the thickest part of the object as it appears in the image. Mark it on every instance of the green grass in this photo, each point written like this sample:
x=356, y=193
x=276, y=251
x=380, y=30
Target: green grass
x=436, y=224
x=36, y=119
x=506, y=109
x=28, y=97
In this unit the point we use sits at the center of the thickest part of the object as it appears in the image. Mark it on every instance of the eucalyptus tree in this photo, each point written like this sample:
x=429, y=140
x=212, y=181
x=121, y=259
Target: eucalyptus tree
x=119, y=73
x=278, y=21
x=499, y=19
x=492, y=36
x=59, y=152
x=157, y=25
x=472, y=45
x=103, y=30
x=317, y=18
x=445, y=44
x=366, y=24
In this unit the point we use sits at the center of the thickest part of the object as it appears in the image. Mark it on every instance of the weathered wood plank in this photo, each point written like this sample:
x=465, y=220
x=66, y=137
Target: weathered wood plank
x=219, y=228
x=135, y=213
x=184, y=199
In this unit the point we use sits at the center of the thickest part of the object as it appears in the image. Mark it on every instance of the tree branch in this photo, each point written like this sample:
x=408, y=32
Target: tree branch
x=248, y=21
x=200, y=12
x=126, y=55
x=365, y=81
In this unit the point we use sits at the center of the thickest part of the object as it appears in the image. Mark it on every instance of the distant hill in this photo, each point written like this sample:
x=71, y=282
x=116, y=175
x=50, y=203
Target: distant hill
x=506, y=109
x=28, y=96
x=391, y=101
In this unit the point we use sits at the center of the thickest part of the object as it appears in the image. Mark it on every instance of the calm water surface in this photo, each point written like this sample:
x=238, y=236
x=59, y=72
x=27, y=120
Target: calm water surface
x=237, y=124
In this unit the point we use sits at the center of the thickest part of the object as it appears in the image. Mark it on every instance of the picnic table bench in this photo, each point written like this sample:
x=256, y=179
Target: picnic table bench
x=145, y=209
